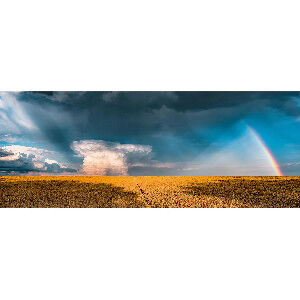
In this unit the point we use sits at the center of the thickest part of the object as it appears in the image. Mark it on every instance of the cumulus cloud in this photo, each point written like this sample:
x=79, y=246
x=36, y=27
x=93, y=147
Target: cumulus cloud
x=36, y=152
x=16, y=159
x=108, y=158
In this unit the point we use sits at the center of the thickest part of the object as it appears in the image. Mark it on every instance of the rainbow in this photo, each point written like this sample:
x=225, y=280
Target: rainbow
x=266, y=151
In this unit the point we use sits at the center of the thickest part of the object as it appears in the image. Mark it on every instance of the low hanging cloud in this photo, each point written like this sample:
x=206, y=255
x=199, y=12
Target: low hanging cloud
x=108, y=158
x=16, y=159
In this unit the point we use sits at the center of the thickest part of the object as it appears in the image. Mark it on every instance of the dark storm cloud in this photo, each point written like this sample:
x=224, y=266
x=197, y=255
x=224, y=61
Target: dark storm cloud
x=23, y=164
x=145, y=117
x=4, y=153
x=55, y=168
x=121, y=105
x=181, y=101
x=214, y=100
x=93, y=115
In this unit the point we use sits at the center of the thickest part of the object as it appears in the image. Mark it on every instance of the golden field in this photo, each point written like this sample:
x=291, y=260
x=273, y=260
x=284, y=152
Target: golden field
x=158, y=191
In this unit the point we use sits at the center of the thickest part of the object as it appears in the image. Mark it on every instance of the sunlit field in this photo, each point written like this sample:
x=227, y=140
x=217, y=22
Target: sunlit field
x=96, y=191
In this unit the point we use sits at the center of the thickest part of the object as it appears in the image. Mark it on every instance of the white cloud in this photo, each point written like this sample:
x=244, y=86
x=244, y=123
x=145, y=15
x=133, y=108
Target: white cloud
x=10, y=157
x=38, y=153
x=22, y=159
x=107, y=158
x=292, y=164
x=51, y=161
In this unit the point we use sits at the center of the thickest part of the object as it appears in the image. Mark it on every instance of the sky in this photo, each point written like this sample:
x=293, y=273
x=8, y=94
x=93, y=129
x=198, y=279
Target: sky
x=150, y=133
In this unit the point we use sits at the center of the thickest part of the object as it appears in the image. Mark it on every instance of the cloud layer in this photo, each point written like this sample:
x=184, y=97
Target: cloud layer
x=92, y=131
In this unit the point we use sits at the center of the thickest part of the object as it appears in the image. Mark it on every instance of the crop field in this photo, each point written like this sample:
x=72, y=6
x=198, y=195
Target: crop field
x=181, y=191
